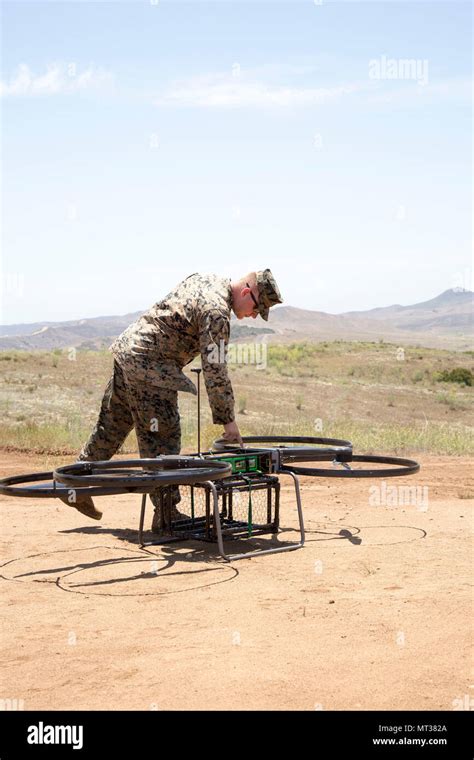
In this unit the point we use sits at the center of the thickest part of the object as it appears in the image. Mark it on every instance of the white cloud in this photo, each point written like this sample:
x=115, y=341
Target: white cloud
x=228, y=91
x=265, y=87
x=60, y=78
x=455, y=90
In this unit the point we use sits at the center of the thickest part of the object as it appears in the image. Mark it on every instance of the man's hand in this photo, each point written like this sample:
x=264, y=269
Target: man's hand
x=232, y=433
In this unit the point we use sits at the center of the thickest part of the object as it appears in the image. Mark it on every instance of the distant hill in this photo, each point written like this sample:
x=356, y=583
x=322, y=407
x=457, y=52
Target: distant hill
x=444, y=321
x=93, y=333
x=451, y=310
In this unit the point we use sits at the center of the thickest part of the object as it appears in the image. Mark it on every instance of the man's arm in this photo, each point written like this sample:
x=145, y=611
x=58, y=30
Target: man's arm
x=214, y=330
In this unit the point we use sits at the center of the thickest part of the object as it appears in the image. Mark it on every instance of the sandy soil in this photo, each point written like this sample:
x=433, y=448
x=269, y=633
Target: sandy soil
x=373, y=613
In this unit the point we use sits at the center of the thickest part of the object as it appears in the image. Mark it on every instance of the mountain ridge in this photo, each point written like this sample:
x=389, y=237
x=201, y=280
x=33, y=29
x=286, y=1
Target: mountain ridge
x=442, y=321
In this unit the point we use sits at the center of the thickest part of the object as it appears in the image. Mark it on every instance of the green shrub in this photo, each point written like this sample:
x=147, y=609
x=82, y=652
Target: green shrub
x=459, y=375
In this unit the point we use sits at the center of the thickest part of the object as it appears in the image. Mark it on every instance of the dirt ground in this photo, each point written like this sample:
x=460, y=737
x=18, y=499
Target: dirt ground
x=373, y=613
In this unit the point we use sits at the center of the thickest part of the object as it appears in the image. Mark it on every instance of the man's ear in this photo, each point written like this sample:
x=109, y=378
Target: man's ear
x=245, y=291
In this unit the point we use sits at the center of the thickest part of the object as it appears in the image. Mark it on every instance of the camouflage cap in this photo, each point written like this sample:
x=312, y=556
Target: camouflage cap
x=268, y=293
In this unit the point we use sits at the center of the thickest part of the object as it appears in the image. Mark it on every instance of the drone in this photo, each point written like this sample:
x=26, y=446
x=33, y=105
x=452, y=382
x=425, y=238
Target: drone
x=227, y=493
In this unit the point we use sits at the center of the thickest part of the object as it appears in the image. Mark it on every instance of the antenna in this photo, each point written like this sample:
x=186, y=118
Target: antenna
x=198, y=370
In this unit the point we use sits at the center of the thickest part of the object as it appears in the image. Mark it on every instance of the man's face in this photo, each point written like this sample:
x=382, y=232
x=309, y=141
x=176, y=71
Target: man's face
x=244, y=305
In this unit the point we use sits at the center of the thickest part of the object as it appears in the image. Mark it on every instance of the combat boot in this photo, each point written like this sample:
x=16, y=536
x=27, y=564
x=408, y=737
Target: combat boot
x=84, y=505
x=159, y=524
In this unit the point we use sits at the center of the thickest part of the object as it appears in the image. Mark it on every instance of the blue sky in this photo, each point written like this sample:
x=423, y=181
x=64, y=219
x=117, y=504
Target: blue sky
x=145, y=141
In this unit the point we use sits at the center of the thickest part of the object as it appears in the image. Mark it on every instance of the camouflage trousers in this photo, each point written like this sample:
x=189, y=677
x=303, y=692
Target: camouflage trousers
x=131, y=401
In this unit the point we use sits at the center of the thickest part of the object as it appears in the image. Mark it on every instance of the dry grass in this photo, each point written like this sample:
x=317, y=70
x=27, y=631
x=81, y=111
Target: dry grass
x=381, y=397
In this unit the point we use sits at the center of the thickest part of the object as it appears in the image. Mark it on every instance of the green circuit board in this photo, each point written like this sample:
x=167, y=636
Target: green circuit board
x=242, y=463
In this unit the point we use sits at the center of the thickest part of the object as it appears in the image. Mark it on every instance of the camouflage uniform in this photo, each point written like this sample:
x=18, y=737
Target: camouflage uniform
x=149, y=357
x=128, y=402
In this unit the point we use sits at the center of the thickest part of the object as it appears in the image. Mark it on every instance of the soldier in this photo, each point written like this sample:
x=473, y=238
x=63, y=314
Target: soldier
x=148, y=360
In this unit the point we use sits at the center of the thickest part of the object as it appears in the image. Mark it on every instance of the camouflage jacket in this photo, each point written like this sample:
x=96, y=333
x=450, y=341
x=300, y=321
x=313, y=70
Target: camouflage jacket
x=193, y=319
